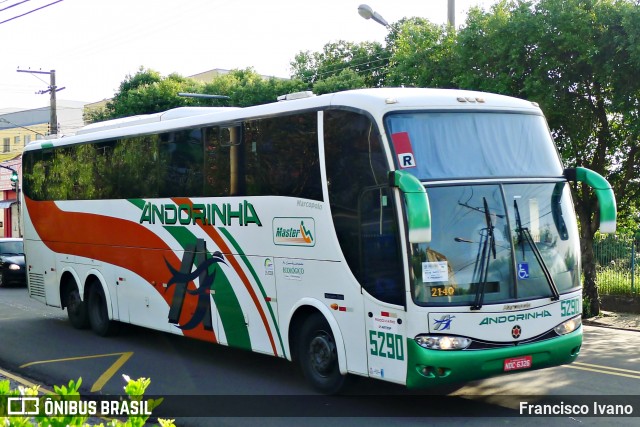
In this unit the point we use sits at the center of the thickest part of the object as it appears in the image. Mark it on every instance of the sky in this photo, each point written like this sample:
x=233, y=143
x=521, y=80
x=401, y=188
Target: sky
x=93, y=45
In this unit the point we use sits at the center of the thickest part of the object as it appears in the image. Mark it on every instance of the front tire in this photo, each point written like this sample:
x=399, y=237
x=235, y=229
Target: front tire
x=318, y=356
x=98, y=313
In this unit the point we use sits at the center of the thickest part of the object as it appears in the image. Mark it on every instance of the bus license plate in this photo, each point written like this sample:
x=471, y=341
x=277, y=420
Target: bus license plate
x=516, y=363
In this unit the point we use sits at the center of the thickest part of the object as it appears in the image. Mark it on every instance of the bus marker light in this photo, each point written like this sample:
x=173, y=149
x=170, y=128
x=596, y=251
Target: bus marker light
x=334, y=306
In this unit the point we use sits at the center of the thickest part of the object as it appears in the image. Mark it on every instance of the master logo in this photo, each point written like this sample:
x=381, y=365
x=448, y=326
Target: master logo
x=294, y=231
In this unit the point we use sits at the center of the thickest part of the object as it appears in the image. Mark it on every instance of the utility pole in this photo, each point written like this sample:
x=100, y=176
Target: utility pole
x=451, y=13
x=53, y=120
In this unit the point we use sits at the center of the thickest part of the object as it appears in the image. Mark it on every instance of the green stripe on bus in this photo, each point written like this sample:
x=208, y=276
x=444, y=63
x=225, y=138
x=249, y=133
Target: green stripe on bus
x=228, y=306
x=258, y=282
x=139, y=203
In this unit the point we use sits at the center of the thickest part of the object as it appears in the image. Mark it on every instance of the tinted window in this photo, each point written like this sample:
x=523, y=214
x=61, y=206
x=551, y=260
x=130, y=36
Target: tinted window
x=274, y=156
x=281, y=155
x=361, y=205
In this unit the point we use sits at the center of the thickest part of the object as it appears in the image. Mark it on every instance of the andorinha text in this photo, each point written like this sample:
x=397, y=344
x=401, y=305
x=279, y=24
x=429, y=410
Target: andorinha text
x=514, y=317
x=205, y=214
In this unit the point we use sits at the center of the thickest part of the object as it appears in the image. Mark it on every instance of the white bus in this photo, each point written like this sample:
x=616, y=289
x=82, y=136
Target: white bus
x=417, y=236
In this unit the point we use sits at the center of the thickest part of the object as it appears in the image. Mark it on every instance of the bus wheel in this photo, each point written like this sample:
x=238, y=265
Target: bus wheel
x=98, y=313
x=318, y=357
x=76, y=309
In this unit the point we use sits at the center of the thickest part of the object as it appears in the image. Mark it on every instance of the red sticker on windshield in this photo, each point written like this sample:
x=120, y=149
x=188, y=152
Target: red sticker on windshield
x=404, y=150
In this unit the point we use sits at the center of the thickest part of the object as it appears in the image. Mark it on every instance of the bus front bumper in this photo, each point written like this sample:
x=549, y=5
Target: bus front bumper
x=429, y=368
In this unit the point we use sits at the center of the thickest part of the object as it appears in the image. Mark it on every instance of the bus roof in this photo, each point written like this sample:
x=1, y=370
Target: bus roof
x=377, y=101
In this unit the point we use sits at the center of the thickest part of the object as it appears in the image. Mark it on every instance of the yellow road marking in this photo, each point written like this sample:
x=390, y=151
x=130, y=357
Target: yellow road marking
x=106, y=375
x=607, y=367
x=113, y=369
x=23, y=381
x=605, y=370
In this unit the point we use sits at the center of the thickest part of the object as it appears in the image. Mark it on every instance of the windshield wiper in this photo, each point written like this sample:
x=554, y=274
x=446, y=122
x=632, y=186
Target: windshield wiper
x=488, y=244
x=524, y=231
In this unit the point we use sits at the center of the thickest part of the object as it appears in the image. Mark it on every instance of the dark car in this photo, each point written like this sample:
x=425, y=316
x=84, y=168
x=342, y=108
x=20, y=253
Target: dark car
x=12, y=271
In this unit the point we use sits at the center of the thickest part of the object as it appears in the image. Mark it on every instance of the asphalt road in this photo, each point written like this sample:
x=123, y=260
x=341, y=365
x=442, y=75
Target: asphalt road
x=204, y=380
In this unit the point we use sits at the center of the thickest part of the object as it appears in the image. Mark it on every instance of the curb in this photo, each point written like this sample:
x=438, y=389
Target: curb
x=604, y=325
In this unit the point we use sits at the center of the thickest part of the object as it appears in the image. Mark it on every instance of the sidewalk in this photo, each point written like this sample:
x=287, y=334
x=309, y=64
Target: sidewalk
x=609, y=319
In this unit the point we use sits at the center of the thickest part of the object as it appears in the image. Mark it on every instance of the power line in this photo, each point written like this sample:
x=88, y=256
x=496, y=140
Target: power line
x=14, y=5
x=31, y=11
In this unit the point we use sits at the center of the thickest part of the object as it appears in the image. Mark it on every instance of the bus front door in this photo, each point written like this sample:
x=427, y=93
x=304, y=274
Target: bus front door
x=381, y=276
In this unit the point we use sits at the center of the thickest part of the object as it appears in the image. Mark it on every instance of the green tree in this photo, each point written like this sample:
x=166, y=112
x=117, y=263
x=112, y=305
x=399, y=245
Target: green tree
x=246, y=88
x=422, y=54
x=345, y=80
x=145, y=92
x=578, y=59
x=370, y=60
x=148, y=92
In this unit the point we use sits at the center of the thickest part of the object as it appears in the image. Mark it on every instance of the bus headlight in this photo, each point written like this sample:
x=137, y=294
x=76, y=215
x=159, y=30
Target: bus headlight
x=442, y=342
x=568, y=326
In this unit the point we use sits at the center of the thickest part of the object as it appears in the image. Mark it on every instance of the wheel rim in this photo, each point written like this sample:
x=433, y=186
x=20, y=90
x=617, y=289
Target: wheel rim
x=322, y=354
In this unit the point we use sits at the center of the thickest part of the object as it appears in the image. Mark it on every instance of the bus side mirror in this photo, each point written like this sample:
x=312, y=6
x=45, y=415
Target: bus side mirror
x=604, y=193
x=417, y=202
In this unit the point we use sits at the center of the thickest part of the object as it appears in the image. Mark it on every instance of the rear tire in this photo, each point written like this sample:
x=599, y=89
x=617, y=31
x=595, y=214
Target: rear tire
x=76, y=309
x=98, y=312
x=318, y=356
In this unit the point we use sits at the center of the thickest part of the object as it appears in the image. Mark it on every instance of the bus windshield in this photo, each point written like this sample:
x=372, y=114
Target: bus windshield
x=497, y=243
x=455, y=145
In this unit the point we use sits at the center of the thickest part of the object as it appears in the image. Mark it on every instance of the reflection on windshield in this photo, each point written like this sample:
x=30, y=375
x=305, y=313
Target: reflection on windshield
x=478, y=253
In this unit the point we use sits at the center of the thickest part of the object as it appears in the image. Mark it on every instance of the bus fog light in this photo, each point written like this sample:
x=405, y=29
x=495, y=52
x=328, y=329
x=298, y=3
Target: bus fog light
x=568, y=326
x=442, y=342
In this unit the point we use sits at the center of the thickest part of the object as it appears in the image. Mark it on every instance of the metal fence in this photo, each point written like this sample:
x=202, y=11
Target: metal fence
x=616, y=264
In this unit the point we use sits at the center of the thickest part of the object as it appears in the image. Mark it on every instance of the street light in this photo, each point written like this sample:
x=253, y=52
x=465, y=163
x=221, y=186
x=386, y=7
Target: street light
x=368, y=13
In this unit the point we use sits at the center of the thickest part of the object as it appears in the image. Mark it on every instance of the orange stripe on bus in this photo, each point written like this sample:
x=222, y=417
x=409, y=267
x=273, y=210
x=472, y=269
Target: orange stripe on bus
x=115, y=241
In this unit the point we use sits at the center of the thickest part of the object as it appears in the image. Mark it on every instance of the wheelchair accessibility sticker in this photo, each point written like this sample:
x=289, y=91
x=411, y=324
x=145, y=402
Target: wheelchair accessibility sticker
x=523, y=270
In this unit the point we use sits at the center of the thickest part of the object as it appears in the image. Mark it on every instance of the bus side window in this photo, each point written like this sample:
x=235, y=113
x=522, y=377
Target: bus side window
x=363, y=217
x=218, y=144
x=182, y=150
x=282, y=157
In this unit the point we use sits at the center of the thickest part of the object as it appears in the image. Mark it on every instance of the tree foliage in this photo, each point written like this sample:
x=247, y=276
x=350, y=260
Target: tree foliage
x=148, y=92
x=421, y=54
x=369, y=60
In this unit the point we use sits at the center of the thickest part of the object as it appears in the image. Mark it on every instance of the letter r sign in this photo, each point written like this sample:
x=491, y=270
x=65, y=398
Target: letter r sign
x=404, y=150
x=406, y=160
